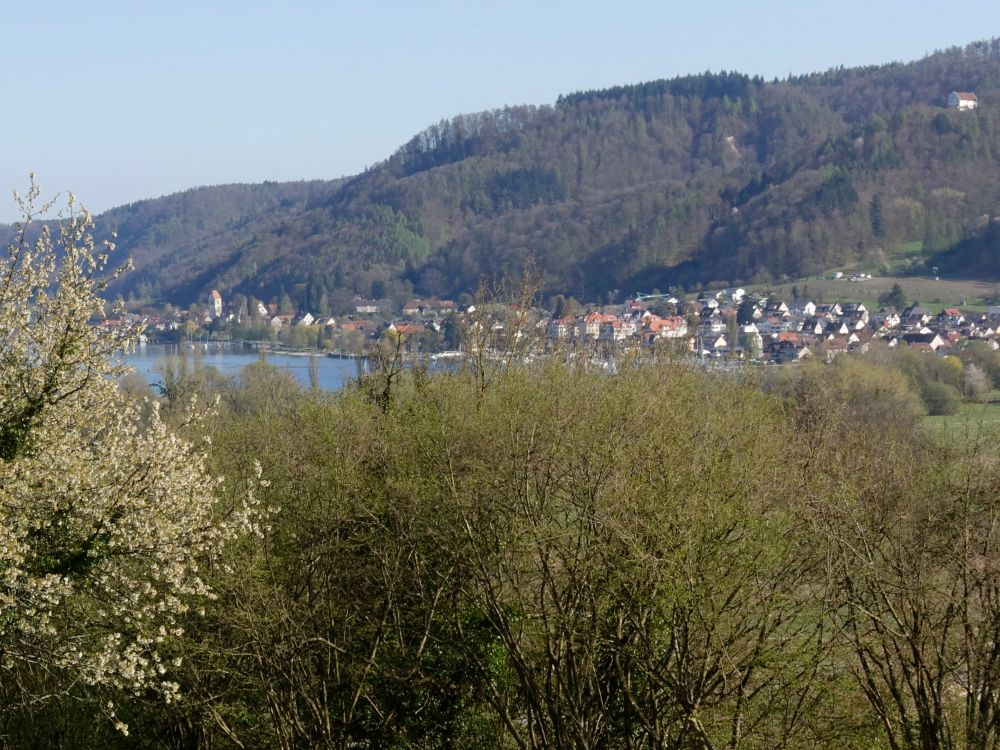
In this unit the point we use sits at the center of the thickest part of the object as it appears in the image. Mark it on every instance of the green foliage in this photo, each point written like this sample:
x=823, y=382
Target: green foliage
x=875, y=217
x=458, y=567
x=837, y=192
x=745, y=312
x=398, y=238
x=559, y=558
x=937, y=381
x=977, y=256
x=524, y=188
x=984, y=357
x=731, y=86
x=895, y=297
x=874, y=393
x=941, y=398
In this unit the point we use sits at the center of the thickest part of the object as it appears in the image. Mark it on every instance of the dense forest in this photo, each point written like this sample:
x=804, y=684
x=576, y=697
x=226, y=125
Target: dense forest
x=719, y=177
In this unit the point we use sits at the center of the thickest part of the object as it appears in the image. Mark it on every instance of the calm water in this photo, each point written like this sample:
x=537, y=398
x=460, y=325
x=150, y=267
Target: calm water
x=229, y=360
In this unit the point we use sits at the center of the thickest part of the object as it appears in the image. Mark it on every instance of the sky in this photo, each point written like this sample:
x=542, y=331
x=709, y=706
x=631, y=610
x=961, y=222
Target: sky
x=119, y=101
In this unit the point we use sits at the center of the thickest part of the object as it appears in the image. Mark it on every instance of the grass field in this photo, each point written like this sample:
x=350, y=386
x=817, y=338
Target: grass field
x=972, y=420
x=931, y=293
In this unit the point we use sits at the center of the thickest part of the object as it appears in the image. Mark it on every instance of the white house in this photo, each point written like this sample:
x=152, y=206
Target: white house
x=803, y=307
x=365, y=306
x=216, y=304
x=962, y=100
x=562, y=328
x=751, y=337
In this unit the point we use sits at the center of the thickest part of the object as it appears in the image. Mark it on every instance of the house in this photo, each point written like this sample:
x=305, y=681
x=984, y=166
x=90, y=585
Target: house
x=590, y=325
x=836, y=328
x=711, y=329
x=951, y=316
x=834, y=347
x=402, y=328
x=364, y=326
x=829, y=312
x=616, y=330
x=715, y=344
x=750, y=337
x=365, y=306
x=562, y=328
x=773, y=324
x=855, y=311
x=305, y=320
x=803, y=308
x=917, y=313
x=785, y=351
x=672, y=327
x=886, y=318
x=962, y=100
x=924, y=341
x=216, y=304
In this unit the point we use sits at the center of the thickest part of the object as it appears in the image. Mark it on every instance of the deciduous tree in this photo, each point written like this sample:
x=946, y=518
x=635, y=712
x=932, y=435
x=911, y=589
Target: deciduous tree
x=106, y=517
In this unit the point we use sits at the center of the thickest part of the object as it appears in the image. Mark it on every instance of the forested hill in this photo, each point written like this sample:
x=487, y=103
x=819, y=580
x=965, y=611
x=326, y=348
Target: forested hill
x=708, y=178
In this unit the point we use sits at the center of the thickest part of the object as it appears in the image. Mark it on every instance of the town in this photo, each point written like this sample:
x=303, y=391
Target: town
x=730, y=324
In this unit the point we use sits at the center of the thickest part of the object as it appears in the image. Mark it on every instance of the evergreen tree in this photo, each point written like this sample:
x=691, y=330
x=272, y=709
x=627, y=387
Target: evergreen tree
x=894, y=298
x=875, y=217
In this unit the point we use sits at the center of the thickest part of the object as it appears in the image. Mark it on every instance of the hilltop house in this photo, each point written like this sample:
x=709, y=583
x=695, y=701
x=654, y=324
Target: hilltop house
x=962, y=100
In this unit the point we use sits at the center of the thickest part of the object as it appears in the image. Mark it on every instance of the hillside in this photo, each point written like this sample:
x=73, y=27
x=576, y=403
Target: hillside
x=709, y=178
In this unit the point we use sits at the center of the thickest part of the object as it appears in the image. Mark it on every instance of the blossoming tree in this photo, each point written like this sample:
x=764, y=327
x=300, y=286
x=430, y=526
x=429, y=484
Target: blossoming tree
x=105, y=515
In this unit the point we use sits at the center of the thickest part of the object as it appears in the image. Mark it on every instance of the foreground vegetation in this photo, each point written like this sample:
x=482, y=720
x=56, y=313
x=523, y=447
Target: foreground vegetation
x=503, y=556
x=551, y=557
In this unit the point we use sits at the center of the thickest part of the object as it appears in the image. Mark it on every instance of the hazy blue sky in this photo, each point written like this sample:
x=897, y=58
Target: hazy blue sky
x=124, y=100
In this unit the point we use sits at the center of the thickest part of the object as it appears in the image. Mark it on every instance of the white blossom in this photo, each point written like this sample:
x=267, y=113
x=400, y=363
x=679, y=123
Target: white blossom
x=105, y=518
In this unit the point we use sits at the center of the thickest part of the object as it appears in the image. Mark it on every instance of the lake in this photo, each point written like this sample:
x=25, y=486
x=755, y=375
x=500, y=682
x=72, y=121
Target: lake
x=229, y=360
